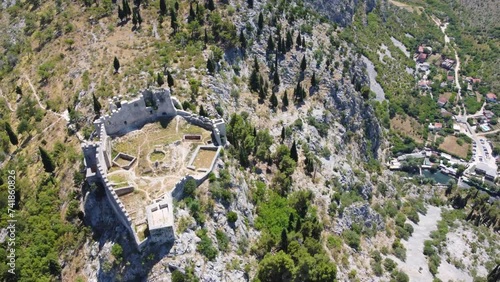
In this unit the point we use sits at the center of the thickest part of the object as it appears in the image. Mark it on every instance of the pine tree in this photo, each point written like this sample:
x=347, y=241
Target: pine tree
x=170, y=80
x=303, y=64
x=274, y=101
x=260, y=23
x=159, y=79
x=12, y=135
x=250, y=4
x=293, y=152
x=48, y=163
x=270, y=44
x=284, y=100
x=299, y=40
x=243, y=40
x=97, y=105
x=283, y=134
x=276, y=78
x=210, y=66
x=116, y=64
x=163, y=8
x=211, y=5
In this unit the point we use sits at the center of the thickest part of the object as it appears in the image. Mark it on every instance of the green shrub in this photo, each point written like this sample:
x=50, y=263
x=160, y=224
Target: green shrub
x=232, y=217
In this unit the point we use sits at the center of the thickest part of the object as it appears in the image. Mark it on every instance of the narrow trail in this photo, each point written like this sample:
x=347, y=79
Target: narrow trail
x=6, y=101
x=64, y=115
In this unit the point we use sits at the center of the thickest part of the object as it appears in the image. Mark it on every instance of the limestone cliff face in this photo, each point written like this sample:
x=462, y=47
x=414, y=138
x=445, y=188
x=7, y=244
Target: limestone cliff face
x=341, y=11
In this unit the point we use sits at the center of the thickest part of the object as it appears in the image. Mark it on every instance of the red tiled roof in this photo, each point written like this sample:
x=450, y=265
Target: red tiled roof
x=491, y=96
x=438, y=125
x=443, y=99
x=420, y=49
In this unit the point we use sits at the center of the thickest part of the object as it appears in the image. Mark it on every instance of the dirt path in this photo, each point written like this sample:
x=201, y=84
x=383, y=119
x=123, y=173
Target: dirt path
x=6, y=101
x=64, y=115
x=416, y=263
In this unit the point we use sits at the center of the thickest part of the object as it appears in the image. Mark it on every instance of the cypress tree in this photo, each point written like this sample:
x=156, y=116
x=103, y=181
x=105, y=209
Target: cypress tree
x=255, y=64
x=273, y=100
x=260, y=23
x=243, y=40
x=163, y=8
x=291, y=220
x=176, y=6
x=211, y=5
x=205, y=38
x=170, y=80
x=303, y=42
x=210, y=66
x=314, y=82
x=299, y=40
x=203, y=113
x=284, y=100
x=262, y=94
x=173, y=20
x=250, y=4
x=192, y=15
x=12, y=135
x=283, y=134
x=276, y=78
x=293, y=152
x=303, y=64
x=19, y=91
x=309, y=163
x=254, y=81
x=284, y=241
x=48, y=163
x=283, y=46
x=126, y=8
x=139, y=18
x=134, y=17
x=159, y=79
x=270, y=44
x=97, y=105
x=116, y=64
x=289, y=40
x=121, y=15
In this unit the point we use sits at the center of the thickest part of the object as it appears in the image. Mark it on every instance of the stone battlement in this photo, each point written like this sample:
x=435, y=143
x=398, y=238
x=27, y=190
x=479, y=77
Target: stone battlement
x=126, y=116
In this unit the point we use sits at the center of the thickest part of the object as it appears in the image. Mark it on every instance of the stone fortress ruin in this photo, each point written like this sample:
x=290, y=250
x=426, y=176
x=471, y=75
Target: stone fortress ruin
x=143, y=153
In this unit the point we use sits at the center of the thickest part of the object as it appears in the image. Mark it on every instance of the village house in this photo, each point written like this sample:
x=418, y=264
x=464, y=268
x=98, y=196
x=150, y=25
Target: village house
x=437, y=126
x=424, y=67
x=490, y=97
x=447, y=64
x=425, y=84
x=488, y=114
x=450, y=78
x=476, y=80
x=420, y=49
x=421, y=58
x=442, y=101
x=484, y=169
